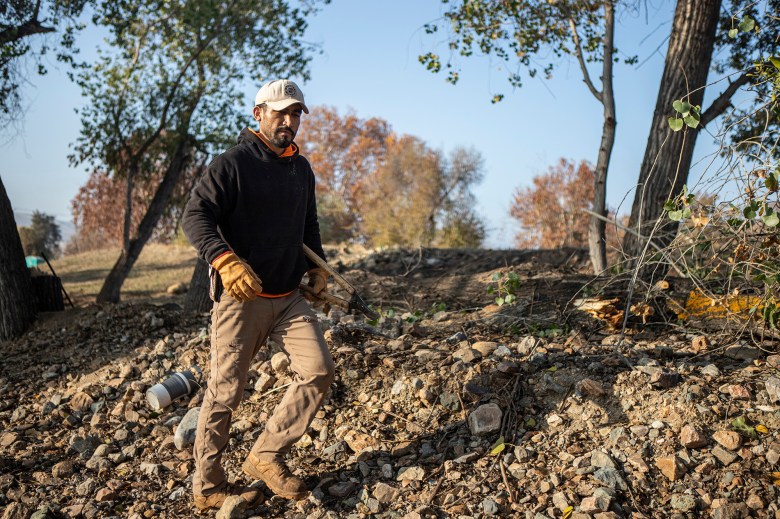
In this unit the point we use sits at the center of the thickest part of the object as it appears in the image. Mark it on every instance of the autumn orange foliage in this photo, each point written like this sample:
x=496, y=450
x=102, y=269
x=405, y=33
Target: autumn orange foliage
x=99, y=209
x=380, y=188
x=550, y=213
x=344, y=151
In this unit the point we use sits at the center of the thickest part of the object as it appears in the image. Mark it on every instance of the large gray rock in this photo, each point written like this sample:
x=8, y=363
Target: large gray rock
x=611, y=478
x=490, y=507
x=85, y=446
x=185, y=431
x=385, y=493
x=683, y=502
x=742, y=352
x=601, y=459
x=485, y=419
x=772, y=385
x=234, y=507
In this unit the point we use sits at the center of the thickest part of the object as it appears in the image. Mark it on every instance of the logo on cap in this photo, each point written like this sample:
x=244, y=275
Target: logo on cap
x=289, y=90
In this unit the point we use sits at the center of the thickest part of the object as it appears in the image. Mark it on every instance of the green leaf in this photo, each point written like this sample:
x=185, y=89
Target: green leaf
x=746, y=24
x=771, y=182
x=531, y=422
x=771, y=220
x=500, y=301
x=740, y=425
x=692, y=119
x=733, y=33
x=775, y=61
x=670, y=205
x=675, y=216
x=498, y=447
x=510, y=299
x=686, y=213
x=681, y=106
x=749, y=212
x=675, y=124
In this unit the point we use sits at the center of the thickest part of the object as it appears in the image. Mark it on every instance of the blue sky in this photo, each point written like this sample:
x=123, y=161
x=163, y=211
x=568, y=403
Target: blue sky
x=369, y=63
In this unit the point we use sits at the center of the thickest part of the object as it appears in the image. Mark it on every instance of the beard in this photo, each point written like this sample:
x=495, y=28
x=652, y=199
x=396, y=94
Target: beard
x=282, y=140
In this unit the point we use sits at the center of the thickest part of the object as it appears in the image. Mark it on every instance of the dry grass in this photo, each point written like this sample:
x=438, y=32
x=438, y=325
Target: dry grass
x=159, y=267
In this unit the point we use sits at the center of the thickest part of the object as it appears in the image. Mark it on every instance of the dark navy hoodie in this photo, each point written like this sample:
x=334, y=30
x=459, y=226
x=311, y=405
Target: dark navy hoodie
x=260, y=206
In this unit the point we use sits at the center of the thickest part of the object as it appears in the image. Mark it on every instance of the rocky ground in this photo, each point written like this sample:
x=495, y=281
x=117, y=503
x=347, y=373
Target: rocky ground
x=449, y=406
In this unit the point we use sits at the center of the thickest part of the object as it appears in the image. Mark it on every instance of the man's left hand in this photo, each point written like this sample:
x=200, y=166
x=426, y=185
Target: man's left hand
x=318, y=281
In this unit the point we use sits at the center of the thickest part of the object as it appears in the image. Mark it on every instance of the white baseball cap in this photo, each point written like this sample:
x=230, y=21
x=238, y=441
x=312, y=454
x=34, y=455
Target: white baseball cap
x=279, y=94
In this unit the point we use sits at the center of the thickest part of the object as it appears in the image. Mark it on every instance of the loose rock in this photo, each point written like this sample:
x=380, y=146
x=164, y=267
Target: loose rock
x=185, y=431
x=485, y=419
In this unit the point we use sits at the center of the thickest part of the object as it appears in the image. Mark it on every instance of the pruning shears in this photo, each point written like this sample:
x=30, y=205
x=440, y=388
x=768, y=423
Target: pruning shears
x=355, y=302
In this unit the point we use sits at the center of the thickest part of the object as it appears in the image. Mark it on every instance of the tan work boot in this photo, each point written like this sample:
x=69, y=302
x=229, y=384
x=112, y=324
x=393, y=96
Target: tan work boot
x=277, y=477
x=216, y=500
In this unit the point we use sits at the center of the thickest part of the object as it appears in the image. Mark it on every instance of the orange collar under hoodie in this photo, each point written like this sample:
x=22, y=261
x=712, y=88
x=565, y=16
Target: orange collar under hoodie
x=289, y=151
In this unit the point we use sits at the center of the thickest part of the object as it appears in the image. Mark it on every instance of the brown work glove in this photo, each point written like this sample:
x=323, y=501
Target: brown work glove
x=238, y=278
x=318, y=281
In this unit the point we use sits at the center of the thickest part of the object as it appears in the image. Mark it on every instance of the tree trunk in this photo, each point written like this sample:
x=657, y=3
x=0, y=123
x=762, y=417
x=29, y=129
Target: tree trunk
x=198, y=299
x=112, y=286
x=668, y=154
x=597, y=241
x=17, y=302
x=126, y=228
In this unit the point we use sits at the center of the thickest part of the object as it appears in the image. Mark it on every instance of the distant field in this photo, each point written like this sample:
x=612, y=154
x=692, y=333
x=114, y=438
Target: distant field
x=159, y=267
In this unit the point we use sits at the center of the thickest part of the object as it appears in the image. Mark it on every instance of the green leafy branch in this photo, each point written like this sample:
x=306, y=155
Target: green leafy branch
x=746, y=24
x=679, y=208
x=686, y=114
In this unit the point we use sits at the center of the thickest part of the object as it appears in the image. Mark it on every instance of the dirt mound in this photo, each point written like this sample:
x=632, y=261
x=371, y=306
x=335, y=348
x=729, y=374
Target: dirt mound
x=449, y=406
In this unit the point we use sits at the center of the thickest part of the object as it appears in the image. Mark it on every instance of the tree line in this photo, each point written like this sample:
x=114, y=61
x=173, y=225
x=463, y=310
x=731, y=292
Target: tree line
x=374, y=187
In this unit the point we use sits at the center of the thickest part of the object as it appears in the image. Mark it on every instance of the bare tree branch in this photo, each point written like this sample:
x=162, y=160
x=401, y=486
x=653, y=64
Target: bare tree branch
x=723, y=101
x=581, y=60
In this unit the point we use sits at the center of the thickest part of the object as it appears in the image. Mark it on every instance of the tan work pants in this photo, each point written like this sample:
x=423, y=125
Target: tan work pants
x=238, y=332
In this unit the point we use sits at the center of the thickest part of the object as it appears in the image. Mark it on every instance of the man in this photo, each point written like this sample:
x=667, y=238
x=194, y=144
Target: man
x=248, y=218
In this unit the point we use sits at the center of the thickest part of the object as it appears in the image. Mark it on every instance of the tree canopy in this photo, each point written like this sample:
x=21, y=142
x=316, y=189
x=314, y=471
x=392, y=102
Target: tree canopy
x=550, y=211
x=41, y=236
x=20, y=21
x=166, y=94
x=377, y=187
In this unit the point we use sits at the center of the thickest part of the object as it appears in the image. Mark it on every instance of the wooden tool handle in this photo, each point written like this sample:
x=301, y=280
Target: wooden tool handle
x=330, y=298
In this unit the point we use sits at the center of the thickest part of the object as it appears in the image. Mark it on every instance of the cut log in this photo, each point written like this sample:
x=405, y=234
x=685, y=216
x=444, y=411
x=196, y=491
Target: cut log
x=48, y=293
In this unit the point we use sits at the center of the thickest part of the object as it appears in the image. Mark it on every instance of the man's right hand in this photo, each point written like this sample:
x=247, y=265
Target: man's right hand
x=238, y=278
